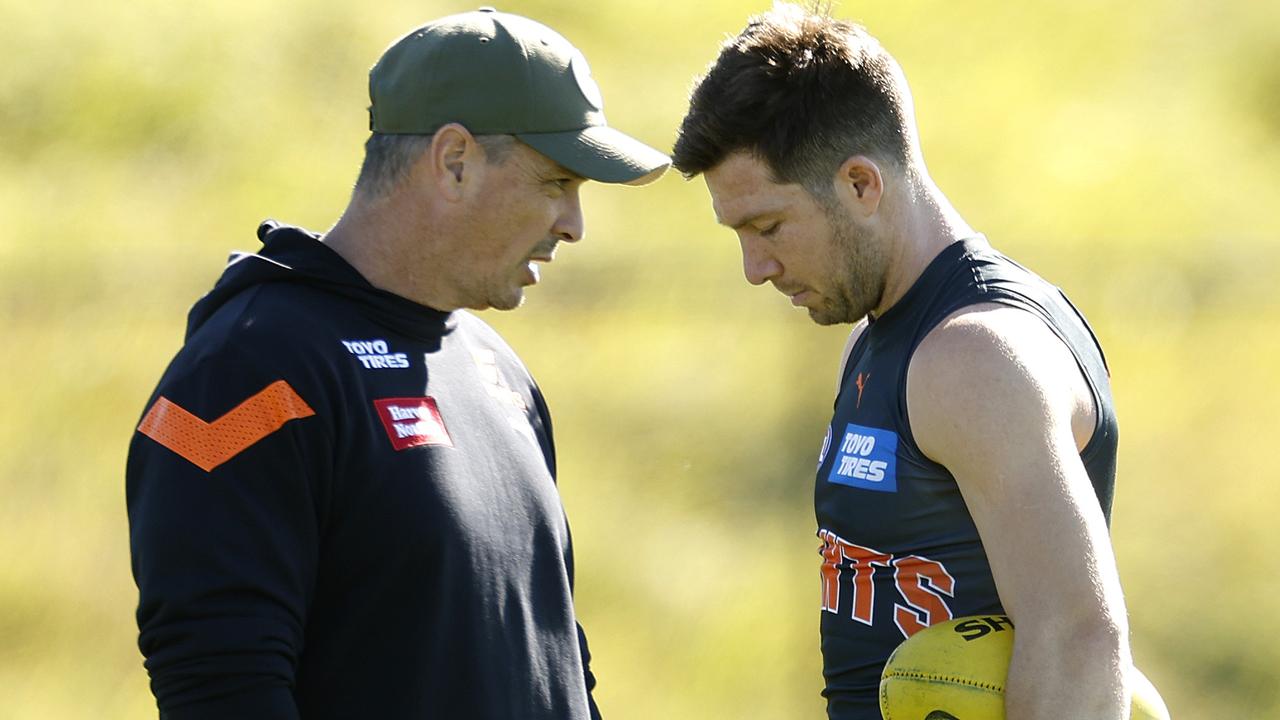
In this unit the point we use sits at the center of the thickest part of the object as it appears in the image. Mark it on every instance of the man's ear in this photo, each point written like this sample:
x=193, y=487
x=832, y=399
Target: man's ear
x=454, y=160
x=860, y=185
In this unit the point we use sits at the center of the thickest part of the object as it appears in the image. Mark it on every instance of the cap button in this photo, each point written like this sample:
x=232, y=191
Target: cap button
x=488, y=8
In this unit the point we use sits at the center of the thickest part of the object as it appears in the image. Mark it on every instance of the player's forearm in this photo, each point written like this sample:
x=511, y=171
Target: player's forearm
x=1077, y=673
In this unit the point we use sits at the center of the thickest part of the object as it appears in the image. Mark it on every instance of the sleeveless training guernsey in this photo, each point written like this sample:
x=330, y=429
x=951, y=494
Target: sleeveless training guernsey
x=900, y=551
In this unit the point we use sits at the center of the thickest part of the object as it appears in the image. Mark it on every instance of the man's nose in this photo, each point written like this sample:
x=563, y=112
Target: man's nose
x=570, y=226
x=758, y=265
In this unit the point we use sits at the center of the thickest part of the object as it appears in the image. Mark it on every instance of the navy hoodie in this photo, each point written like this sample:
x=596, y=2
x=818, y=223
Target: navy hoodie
x=342, y=504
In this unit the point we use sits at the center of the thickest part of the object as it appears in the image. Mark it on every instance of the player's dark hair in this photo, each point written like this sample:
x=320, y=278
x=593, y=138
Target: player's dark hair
x=387, y=159
x=803, y=92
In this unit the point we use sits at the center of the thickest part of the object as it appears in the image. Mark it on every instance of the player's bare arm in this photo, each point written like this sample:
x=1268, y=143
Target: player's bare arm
x=988, y=397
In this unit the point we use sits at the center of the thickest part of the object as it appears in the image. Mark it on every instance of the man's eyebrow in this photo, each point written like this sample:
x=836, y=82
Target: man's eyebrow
x=738, y=225
x=560, y=170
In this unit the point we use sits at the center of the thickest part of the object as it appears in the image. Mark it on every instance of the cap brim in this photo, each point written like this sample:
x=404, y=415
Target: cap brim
x=602, y=154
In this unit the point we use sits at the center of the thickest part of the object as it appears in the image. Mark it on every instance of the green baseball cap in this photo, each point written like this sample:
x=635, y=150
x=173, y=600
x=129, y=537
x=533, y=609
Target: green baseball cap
x=498, y=73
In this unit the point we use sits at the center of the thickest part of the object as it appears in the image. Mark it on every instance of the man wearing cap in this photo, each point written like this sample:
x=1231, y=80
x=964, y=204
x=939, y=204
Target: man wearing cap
x=341, y=495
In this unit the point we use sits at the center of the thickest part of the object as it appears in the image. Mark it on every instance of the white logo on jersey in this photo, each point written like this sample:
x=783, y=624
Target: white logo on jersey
x=853, y=459
x=375, y=355
x=496, y=386
x=826, y=445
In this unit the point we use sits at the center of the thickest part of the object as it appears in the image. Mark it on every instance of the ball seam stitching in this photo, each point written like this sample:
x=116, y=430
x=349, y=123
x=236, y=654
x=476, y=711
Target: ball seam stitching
x=945, y=678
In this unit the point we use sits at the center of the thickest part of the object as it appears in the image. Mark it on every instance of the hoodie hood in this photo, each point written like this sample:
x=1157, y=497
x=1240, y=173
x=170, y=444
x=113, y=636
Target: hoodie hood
x=293, y=255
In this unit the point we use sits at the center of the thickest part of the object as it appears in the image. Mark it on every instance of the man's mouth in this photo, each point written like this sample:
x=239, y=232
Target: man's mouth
x=795, y=294
x=544, y=251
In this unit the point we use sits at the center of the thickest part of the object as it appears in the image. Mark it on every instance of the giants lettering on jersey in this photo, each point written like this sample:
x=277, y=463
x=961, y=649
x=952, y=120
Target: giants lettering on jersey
x=411, y=422
x=855, y=572
x=867, y=459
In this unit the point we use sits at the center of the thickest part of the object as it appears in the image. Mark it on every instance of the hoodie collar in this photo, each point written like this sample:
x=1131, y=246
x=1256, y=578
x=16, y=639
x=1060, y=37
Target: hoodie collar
x=292, y=254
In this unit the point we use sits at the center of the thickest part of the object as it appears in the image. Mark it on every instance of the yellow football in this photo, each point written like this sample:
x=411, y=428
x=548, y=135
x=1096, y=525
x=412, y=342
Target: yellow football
x=956, y=670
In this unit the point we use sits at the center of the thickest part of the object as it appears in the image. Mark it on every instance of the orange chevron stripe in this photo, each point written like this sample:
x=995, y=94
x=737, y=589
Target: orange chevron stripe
x=209, y=444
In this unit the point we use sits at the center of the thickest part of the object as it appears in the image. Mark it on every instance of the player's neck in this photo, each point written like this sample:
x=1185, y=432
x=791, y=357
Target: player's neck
x=927, y=224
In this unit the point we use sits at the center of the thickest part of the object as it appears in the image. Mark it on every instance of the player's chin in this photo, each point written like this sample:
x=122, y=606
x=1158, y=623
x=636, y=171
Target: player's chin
x=509, y=300
x=836, y=311
x=825, y=315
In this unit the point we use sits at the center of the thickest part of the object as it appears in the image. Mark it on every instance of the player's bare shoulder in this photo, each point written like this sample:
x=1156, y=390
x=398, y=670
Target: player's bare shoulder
x=995, y=367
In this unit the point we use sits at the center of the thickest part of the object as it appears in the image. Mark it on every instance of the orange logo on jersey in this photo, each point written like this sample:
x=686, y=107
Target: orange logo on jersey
x=210, y=444
x=861, y=383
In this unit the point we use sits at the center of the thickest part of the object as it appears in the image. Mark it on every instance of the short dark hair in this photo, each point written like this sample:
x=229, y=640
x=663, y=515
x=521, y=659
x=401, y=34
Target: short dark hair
x=802, y=91
x=387, y=159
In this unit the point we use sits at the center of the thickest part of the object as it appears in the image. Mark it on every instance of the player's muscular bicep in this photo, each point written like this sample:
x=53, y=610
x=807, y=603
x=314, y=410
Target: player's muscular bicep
x=986, y=399
x=978, y=381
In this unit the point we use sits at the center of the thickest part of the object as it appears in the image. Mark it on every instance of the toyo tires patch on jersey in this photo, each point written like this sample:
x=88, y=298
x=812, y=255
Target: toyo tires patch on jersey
x=866, y=458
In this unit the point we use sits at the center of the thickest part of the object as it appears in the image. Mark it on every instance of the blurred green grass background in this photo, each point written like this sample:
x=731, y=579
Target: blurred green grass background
x=1128, y=151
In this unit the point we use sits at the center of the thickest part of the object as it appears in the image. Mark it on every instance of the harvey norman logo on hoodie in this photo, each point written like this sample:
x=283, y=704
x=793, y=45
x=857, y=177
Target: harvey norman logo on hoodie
x=411, y=422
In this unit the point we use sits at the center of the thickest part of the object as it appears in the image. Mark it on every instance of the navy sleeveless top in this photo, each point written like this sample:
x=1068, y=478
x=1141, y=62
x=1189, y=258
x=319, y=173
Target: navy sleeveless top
x=900, y=551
